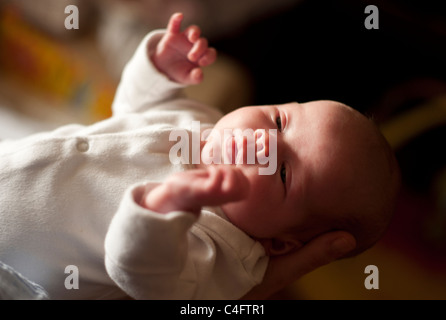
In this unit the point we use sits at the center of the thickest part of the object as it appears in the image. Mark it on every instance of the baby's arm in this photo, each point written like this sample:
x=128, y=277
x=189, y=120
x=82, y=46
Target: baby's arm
x=146, y=251
x=164, y=62
x=191, y=190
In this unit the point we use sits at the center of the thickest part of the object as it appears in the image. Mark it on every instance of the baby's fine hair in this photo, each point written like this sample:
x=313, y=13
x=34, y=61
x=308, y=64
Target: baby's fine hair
x=377, y=194
x=367, y=184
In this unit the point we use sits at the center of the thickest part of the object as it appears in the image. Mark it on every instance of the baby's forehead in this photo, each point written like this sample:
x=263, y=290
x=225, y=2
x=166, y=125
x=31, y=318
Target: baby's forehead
x=324, y=122
x=323, y=110
x=340, y=118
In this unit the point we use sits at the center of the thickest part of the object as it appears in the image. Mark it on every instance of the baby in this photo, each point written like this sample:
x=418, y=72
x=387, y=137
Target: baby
x=203, y=230
x=335, y=172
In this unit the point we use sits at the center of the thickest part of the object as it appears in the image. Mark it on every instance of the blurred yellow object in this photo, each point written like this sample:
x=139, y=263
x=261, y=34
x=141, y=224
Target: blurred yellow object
x=415, y=121
x=400, y=277
x=53, y=70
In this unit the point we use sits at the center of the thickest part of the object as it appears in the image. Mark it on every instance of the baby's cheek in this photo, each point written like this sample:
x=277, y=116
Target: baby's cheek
x=262, y=186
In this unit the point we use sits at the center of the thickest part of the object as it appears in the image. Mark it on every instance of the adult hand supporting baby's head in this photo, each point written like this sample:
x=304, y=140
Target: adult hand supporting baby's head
x=285, y=269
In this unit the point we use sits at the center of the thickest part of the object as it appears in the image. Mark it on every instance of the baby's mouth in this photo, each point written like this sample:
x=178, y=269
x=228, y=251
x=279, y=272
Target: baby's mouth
x=231, y=150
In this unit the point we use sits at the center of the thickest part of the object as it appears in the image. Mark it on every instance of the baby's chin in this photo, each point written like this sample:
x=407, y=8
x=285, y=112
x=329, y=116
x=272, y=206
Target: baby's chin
x=233, y=212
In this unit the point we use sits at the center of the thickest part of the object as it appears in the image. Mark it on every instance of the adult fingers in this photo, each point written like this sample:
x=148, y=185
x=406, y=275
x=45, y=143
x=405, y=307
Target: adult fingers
x=283, y=270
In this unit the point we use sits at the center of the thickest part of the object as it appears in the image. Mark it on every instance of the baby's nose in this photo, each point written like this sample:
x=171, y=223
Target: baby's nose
x=262, y=144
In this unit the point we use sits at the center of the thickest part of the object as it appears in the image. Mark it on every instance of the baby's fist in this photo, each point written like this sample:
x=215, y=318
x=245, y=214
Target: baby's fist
x=181, y=55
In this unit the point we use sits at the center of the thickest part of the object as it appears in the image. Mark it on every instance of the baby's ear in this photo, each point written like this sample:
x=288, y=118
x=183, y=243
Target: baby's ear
x=281, y=245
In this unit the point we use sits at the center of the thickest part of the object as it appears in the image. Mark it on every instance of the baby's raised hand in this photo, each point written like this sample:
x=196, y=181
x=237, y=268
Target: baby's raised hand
x=191, y=190
x=180, y=55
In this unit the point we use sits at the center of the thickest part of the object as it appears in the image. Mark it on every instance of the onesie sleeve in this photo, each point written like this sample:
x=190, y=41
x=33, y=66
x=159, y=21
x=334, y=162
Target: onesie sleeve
x=176, y=255
x=145, y=251
x=142, y=86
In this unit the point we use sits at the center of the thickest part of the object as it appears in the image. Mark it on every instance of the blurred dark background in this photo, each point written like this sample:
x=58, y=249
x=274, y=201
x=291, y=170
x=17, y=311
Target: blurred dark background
x=271, y=52
x=321, y=50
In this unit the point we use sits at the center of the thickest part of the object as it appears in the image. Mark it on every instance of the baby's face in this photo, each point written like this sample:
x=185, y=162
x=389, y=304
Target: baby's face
x=309, y=157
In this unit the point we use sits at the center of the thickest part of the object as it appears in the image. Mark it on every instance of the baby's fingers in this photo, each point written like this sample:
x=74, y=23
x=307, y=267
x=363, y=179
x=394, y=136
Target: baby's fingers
x=192, y=33
x=198, y=49
x=208, y=58
x=227, y=184
x=195, y=76
x=174, y=25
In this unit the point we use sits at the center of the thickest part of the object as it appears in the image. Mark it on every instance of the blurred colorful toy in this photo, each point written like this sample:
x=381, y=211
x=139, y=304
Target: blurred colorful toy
x=52, y=69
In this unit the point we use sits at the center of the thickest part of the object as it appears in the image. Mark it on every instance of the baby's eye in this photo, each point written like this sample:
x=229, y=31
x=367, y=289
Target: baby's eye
x=279, y=123
x=283, y=174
